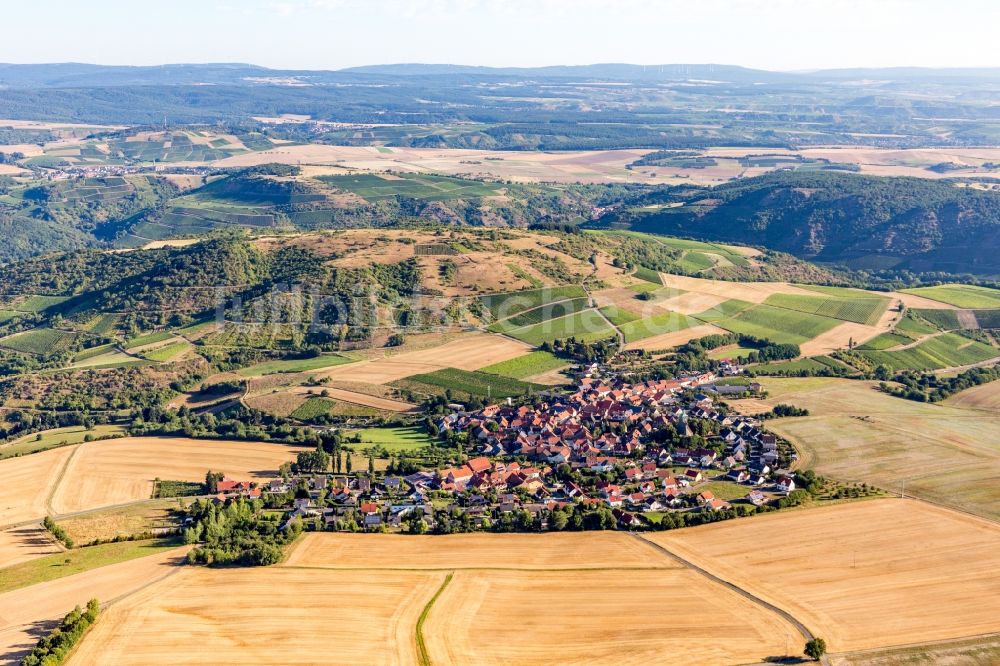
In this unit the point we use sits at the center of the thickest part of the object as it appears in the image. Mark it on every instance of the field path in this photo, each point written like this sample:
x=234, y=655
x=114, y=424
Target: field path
x=788, y=617
x=58, y=480
x=425, y=659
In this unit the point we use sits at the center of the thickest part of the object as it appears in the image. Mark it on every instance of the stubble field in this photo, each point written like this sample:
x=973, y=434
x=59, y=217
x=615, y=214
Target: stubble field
x=581, y=617
x=467, y=352
x=27, y=482
x=944, y=452
x=596, y=550
x=117, y=471
x=29, y=612
x=862, y=575
x=273, y=615
x=365, y=594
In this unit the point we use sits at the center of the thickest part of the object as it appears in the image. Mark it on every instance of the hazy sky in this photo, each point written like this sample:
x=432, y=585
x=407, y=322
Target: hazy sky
x=329, y=34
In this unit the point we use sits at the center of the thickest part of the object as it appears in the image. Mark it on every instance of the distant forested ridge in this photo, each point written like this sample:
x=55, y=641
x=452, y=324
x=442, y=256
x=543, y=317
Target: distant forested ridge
x=864, y=222
x=547, y=108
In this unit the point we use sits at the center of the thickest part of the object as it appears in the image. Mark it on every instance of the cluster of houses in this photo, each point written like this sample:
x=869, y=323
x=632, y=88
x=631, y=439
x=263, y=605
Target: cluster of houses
x=598, y=446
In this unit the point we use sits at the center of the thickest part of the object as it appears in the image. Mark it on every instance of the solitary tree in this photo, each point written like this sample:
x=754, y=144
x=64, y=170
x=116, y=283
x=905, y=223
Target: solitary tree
x=816, y=648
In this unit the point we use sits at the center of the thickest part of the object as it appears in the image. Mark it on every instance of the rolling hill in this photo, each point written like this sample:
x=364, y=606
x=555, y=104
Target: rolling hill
x=862, y=221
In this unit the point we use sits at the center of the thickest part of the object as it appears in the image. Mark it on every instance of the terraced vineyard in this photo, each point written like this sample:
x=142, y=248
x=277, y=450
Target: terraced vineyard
x=960, y=295
x=587, y=326
x=467, y=383
x=942, y=351
x=543, y=313
x=39, y=341
x=666, y=322
x=530, y=364
x=859, y=310
x=778, y=324
x=506, y=305
x=885, y=341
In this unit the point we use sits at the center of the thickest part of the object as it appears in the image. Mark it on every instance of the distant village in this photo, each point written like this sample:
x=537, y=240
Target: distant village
x=608, y=448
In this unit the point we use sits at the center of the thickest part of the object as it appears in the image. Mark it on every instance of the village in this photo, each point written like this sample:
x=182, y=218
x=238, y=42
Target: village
x=635, y=451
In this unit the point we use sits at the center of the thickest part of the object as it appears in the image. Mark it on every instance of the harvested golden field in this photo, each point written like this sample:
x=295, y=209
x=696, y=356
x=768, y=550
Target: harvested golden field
x=840, y=336
x=522, y=166
x=667, y=340
x=980, y=651
x=595, y=550
x=265, y=615
x=20, y=544
x=754, y=292
x=177, y=242
x=118, y=471
x=692, y=302
x=627, y=300
x=466, y=352
x=27, y=482
x=985, y=397
x=579, y=617
x=942, y=452
x=356, y=398
x=862, y=575
x=29, y=612
x=279, y=404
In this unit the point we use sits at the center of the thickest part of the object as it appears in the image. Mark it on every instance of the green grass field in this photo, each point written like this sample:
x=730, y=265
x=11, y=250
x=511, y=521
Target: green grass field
x=839, y=292
x=943, y=351
x=413, y=185
x=77, y=561
x=913, y=326
x=646, y=287
x=39, y=341
x=695, y=262
x=588, y=326
x=395, y=440
x=94, y=351
x=649, y=275
x=960, y=295
x=8, y=315
x=51, y=439
x=859, y=310
x=294, y=365
x=885, y=341
x=502, y=306
x=778, y=324
x=313, y=408
x=730, y=351
x=476, y=383
x=725, y=490
x=666, y=322
x=39, y=303
x=618, y=316
x=167, y=352
x=724, y=310
x=149, y=339
x=530, y=364
x=788, y=367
